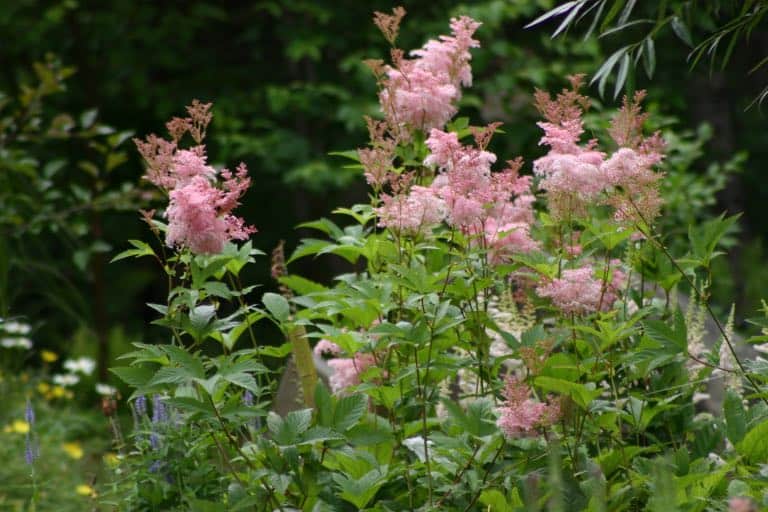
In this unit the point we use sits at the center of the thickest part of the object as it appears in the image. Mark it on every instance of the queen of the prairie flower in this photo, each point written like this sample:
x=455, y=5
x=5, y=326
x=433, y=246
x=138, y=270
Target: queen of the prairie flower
x=579, y=291
x=570, y=172
x=411, y=213
x=201, y=199
x=422, y=92
x=520, y=415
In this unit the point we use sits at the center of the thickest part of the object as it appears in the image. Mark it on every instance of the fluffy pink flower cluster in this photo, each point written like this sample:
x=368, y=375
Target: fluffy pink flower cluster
x=636, y=195
x=741, y=504
x=520, y=415
x=497, y=206
x=201, y=199
x=346, y=370
x=421, y=93
x=575, y=176
x=413, y=213
x=578, y=291
x=570, y=172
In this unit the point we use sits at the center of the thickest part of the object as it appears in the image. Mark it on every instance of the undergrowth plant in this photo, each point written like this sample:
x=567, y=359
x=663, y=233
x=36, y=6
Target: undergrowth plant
x=504, y=339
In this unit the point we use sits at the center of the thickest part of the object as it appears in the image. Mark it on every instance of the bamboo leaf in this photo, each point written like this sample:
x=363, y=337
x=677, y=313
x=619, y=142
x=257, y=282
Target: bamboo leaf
x=649, y=57
x=622, y=75
x=681, y=31
x=552, y=13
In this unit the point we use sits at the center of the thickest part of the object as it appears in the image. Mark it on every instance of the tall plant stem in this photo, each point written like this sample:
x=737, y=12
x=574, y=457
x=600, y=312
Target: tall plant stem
x=305, y=365
x=699, y=296
x=424, y=434
x=239, y=450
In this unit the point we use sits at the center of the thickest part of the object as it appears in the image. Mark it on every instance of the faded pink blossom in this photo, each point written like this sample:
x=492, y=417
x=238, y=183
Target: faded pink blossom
x=376, y=162
x=572, y=247
x=158, y=154
x=442, y=148
x=187, y=164
x=741, y=504
x=325, y=347
x=636, y=194
x=520, y=415
x=572, y=179
x=571, y=173
x=505, y=240
x=472, y=193
x=199, y=217
x=421, y=93
x=347, y=371
x=416, y=98
x=449, y=57
x=411, y=213
x=579, y=291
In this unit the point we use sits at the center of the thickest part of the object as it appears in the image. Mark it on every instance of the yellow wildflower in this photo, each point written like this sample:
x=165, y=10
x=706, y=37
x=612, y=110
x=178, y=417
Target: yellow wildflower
x=74, y=450
x=48, y=356
x=85, y=490
x=58, y=392
x=18, y=426
x=111, y=459
x=43, y=388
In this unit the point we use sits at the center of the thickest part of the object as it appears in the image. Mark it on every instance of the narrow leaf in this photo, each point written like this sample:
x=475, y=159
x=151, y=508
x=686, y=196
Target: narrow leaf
x=554, y=12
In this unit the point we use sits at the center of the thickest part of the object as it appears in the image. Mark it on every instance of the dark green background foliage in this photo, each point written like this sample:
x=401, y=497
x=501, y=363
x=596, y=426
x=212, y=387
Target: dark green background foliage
x=288, y=88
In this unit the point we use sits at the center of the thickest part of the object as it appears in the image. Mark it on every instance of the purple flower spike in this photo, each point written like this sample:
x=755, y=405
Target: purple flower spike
x=29, y=414
x=140, y=405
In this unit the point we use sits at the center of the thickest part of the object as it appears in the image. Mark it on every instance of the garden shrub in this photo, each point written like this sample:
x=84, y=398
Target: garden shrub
x=498, y=342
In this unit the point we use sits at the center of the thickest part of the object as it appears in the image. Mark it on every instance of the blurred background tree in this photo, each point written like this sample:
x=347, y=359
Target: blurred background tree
x=289, y=87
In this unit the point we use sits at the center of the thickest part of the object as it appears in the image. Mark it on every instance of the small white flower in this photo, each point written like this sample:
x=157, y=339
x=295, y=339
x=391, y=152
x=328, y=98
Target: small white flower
x=66, y=380
x=84, y=365
x=20, y=342
x=14, y=327
x=105, y=389
x=416, y=445
x=700, y=397
x=715, y=459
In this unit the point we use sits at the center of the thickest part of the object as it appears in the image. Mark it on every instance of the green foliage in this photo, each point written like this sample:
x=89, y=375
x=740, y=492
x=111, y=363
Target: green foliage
x=428, y=324
x=722, y=22
x=68, y=444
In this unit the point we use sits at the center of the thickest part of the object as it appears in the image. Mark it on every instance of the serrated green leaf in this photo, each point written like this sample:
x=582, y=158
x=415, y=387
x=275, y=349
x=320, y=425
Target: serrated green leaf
x=754, y=446
x=171, y=375
x=735, y=417
x=323, y=406
x=579, y=393
x=360, y=491
x=134, y=376
x=190, y=404
x=308, y=247
x=495, y=501
x=348, y=410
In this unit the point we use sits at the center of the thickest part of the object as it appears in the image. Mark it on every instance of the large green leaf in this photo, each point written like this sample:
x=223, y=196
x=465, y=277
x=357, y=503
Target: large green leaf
x=735, y=417
x=579, y=393
x=286, y=431
x=277, y=305
x=348, y=410
x=754, y=446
